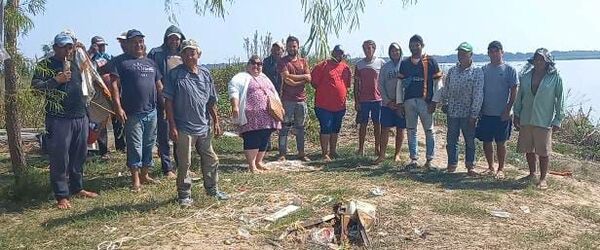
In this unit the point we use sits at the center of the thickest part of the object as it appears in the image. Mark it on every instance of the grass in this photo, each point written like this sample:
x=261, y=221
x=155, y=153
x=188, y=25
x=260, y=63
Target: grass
x=585, y=213
x=456, y=207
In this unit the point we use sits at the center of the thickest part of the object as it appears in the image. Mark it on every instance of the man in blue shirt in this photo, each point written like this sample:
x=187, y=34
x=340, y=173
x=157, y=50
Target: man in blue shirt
x=499, y=91
x=137, y=81
x=189, y=96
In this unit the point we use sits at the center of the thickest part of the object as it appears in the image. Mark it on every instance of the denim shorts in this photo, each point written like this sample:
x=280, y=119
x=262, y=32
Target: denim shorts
x=330, y=122
x=369, y=109
x=140, y=137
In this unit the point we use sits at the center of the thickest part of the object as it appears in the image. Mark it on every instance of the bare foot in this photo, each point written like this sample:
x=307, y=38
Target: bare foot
x=63, y=203
x=255, y=170
x=86, y=194
x=147, y=180
x=543, y=185
x=397, y=158
x=170, y=175
x=281, y=157
x=379, y=160
x=303, y=157
x=136, y=188
x=500, y=175
x=326, y=158
x=261, y=166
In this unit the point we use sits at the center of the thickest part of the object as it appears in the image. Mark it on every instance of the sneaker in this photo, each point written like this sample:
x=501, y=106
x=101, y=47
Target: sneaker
x=412, y=164
x=429, y=165
x=451, y=168
x=222, y=196
x=186, y=202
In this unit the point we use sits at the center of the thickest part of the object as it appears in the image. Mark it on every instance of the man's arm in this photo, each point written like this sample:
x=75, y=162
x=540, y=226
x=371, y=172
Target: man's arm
x=42, y=80
x=559, y=107
x=116, y=93
x=173, y=134
x=356, y=88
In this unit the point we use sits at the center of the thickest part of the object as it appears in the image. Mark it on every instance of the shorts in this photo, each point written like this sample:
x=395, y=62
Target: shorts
x=389, y=118
x=492, y=128
x=257, y=139
x=369, y=109
x=536, y=140
x=330, y=122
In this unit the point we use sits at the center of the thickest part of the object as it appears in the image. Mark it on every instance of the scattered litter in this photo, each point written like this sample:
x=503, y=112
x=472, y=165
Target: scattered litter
x=322, y=199
x=525, y=209
x=282, y=213
x=243, y=234
x=382, y=234
x=297, y=201
x=322, y=236
x=422, y=233
x=500, y=213
x=561, y=173
x=228, y=242
x=377, y=191
x=119, y=174
x=230, y=134
x=108, y=229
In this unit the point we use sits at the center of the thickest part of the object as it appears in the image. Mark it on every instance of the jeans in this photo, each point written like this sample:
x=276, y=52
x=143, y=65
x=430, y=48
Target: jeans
x=295, y=116
x=455, y=127
x=140, y=137
x=416, y=108
x=164, y=150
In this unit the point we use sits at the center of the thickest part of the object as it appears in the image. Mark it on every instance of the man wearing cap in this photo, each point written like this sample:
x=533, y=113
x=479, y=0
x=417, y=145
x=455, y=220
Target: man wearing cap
x=295, y=74
x=418, y=96
x=462, y=96
x=367, y=95
x=189, y=95
x=137, y=80
x=167, y=56
x=67, y=126
x=100, y=58
x=98, y=51
x=270, y=64
x=331, y=80
x=539, y=111
x=390, y=117
x=122, y=39
x=500, y=83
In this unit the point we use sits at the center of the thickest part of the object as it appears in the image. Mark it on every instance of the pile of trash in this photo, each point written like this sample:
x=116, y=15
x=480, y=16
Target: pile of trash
x=350, y=223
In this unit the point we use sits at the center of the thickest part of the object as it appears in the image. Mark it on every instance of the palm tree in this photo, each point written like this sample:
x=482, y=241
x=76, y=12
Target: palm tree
x=17, y=23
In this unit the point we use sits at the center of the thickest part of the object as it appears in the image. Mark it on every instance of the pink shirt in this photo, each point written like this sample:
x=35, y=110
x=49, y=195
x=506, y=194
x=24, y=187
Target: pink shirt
x=367, y=74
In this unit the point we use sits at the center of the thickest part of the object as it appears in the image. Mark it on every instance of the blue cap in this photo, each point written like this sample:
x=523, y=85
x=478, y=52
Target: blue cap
x=338, y=48
x=133, y=33
x=63, y=39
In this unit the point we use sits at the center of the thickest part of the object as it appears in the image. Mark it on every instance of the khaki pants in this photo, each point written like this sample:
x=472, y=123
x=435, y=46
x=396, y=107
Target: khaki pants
x=208, y=163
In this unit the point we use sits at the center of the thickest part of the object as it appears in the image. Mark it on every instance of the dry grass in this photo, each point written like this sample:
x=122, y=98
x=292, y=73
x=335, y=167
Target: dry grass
x=453, y=208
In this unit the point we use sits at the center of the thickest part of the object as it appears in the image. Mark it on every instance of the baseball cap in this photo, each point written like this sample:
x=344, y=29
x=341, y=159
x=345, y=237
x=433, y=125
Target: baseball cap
x=465, y=46
x=133, y=33
x=63, y=39
x=278, y=44
x=190, y=43
x=98, y=40
x=123, y=36
x=495, y=45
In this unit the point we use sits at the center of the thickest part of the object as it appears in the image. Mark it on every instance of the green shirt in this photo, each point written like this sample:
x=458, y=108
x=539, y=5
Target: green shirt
x=546, y=107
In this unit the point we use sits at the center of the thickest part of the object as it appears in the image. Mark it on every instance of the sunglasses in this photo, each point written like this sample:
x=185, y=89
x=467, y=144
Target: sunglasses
x=256, y=63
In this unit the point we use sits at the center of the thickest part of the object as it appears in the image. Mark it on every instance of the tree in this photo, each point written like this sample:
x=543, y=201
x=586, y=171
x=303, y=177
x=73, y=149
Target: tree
x=260, y=46
x=325, y=17
x=16, y=23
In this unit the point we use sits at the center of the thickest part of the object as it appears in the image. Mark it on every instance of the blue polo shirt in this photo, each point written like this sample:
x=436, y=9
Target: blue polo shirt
x=138, y=82
x=192, y=95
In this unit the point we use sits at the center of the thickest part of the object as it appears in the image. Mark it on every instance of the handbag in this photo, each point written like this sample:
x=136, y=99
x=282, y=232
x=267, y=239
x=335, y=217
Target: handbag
x=274, y=106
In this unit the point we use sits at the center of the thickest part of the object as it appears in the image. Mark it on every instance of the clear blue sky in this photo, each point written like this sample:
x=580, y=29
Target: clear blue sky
x=521, y=25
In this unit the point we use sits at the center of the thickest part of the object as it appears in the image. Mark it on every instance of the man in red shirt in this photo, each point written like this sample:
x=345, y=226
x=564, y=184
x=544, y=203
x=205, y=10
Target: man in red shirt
x=331, y=80
x=295, y=74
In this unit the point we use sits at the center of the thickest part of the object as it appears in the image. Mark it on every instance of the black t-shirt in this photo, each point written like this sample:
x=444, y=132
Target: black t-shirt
x=138, y=82
x=414, y=78
x=62, y=100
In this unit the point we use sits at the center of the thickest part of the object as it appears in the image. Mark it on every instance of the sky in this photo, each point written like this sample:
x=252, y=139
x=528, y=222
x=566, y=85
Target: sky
x=521, y=25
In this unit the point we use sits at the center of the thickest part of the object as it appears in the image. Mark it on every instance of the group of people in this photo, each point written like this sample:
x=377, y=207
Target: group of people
x=166, y=95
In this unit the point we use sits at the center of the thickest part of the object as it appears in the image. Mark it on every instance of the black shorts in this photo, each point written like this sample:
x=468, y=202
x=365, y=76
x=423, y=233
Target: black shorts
x=257, y=139
x=492, y=128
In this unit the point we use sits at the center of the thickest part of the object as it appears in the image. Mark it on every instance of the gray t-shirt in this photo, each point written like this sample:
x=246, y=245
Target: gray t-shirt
x=498, y=80
x=192, y=95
